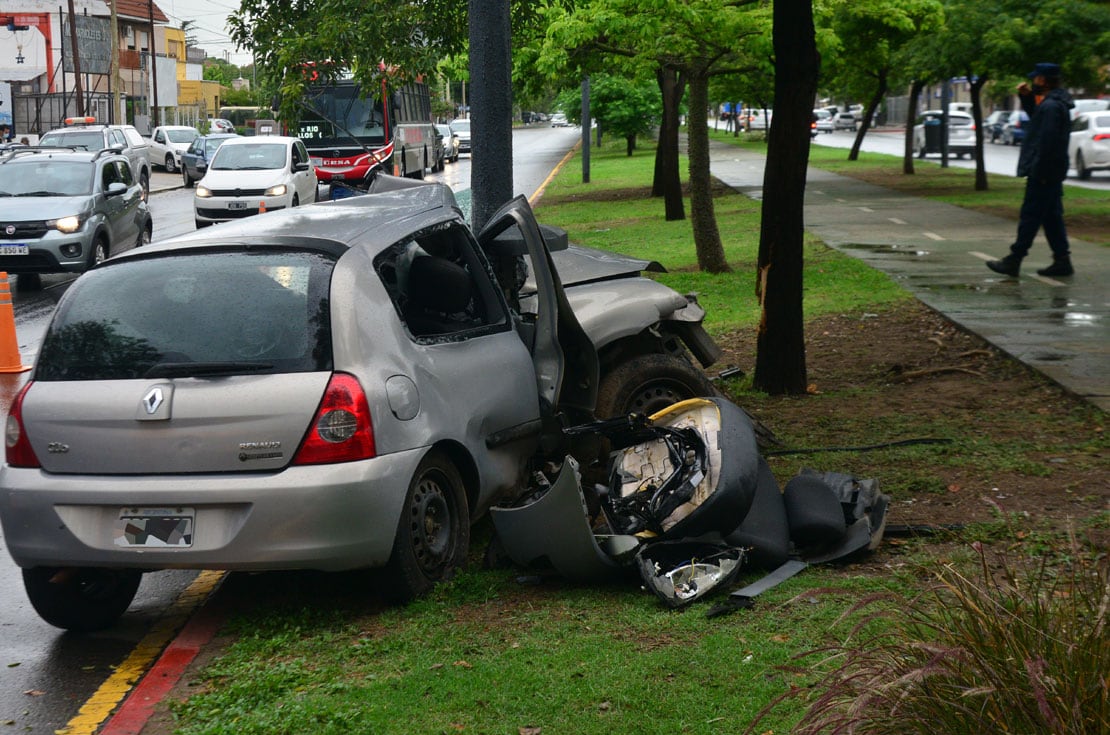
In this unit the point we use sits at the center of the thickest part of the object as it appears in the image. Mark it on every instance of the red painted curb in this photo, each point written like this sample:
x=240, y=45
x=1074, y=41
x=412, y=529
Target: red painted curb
x=137, y=709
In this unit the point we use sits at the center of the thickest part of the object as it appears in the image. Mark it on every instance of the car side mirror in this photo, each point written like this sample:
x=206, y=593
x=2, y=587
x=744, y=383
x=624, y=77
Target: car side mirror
x=301, y=166
x=202, y=166
x=116, y=188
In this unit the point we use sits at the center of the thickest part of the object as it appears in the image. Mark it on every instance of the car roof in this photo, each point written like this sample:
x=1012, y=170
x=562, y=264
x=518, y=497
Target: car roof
x=27, y=153
x=398, y=208
x=249, y=139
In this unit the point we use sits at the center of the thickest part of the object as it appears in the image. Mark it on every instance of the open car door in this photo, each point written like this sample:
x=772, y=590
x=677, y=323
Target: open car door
x=565, y=358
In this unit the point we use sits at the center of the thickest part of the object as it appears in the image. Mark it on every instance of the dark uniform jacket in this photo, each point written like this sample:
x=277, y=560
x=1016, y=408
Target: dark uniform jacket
x=1044, y=149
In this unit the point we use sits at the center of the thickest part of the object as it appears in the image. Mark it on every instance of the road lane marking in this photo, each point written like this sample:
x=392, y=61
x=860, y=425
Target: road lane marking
x=105, y=699
x=865, y=209
x=554, y=172
x=895, y=220
x=933, y=236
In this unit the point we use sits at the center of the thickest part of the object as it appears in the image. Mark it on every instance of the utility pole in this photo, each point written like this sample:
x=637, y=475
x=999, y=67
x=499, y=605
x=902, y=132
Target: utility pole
x=585, y=130
x=153, y=63
x=114, y=70
x=491, y=95
x=76, y=60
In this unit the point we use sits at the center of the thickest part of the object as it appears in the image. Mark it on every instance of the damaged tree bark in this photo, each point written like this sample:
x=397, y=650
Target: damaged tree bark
x=780, y=365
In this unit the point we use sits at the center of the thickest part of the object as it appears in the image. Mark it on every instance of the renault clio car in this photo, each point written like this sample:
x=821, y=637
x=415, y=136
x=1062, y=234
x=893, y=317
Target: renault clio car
x=249, y=176
x=333, y=387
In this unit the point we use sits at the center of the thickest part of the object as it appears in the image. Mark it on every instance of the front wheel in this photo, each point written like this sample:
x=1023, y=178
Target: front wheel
x=433, y=534
x=171, y=166
x=80, y=599
x=99, y=252
x=186, y=179
x=646, y=384
x=146, y=233
x=144, y=181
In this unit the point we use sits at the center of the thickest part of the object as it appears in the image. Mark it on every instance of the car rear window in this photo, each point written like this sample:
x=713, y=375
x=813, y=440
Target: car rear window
x=92, y=140
x=1102, y=121
x=196, y=314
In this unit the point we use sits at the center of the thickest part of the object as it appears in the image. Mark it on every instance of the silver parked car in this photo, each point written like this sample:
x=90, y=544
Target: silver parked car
x=1089, y=143
x=339, y=386
x=961, y=134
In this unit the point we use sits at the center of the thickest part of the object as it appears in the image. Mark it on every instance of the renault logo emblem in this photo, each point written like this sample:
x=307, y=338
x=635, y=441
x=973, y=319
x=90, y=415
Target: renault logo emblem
x=152, y=400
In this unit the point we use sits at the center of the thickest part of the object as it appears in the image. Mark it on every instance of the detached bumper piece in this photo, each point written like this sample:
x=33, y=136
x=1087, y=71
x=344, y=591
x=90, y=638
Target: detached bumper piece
x=688, y=505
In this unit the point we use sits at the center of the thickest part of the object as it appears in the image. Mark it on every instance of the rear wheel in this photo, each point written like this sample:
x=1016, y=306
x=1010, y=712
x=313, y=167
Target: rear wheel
x=433, y=534
x=144, y=181
x=145, y=235
x=1081, y=166
x=81, y=599
x=646, y=384
x=296, y=200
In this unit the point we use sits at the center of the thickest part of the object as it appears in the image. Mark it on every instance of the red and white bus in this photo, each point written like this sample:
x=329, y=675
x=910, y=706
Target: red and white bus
x=348, y=134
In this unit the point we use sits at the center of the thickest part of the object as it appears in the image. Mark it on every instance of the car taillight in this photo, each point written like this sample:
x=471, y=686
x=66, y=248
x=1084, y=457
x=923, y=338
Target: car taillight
x=341, y=431
x=18, y=447
x=1101, y=136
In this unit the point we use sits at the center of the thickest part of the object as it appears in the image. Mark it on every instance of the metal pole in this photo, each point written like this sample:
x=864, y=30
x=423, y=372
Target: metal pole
x=945, y=95
x=76, y=60
x=491, y=95
x=586, y=130
x=153, y=64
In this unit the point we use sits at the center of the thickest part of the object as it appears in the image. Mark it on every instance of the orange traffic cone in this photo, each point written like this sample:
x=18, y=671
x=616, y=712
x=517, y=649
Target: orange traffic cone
x=10, y=361
x=262, y=207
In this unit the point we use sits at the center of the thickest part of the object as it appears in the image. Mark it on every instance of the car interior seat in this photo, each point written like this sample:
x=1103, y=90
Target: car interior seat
x=438, y=293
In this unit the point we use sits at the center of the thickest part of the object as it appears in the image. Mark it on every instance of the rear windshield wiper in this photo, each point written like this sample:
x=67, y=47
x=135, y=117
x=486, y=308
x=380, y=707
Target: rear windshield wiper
x=196, y=369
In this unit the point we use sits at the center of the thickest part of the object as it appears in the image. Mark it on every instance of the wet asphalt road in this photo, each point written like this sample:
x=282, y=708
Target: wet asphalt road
x=46, y=674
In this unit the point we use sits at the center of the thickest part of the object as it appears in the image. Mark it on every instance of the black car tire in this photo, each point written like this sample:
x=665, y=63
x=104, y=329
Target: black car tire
x=186, y=179
x=81, y=599
x=99, y=251
x=146, y=234
x=296, y=201
x=144, y=181
x=1081, y=166
x=433, y=534
x=648, y=383
x=171, y=167
x=28, y=282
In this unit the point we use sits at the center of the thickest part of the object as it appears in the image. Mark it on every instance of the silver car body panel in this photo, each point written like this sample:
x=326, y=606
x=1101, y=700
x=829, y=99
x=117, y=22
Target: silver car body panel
x=327, y=517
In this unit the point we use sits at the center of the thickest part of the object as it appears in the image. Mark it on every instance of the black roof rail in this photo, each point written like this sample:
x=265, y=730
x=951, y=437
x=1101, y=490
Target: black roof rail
x=114, y=150
x=12, y=152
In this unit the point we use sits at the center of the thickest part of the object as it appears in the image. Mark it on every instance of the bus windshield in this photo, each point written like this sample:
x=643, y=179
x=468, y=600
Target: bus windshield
x=332, y=115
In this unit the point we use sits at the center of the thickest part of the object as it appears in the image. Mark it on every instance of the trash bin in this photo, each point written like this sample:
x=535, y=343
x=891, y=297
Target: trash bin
x=932, y=135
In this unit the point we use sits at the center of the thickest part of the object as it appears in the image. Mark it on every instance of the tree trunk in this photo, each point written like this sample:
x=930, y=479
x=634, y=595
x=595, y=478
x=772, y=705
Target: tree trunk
x=630, y=142
x=780, y=365
x=977, y=116
x=911, y=116
x=668, y=182
x=868, y=114
x=707, y=238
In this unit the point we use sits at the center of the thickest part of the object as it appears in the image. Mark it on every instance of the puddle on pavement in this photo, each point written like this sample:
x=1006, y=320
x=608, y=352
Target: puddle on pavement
x=887, y=248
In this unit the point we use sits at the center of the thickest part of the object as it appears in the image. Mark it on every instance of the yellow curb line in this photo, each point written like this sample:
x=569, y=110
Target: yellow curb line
x=105, y=699
x=554, y=172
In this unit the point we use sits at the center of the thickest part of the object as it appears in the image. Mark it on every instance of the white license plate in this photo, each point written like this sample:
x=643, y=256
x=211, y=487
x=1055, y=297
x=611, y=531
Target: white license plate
x=13, y=249
x=236, y=205
x=155, y=528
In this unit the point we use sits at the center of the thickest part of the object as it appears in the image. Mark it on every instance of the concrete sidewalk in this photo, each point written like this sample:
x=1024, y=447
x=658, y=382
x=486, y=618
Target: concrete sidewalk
x=1060, y=327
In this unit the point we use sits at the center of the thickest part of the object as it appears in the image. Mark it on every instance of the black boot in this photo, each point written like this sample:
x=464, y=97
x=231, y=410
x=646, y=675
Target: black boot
x=1008, y=266
x=1059, y=267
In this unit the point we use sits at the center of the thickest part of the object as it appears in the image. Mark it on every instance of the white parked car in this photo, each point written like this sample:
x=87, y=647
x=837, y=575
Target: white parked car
x=824, y=121
x=168, y=142
x=961, y=134
x=758, y=119
x=1089, y=146
x=250, y=176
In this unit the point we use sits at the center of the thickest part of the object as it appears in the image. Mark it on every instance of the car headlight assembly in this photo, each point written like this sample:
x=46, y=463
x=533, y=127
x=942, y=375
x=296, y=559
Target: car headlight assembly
x=67, y=224
x=277, y=191
x=203, y=191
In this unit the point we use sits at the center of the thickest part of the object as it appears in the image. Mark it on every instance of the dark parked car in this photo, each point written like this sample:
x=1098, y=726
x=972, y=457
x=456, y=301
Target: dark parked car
x=1013, y=130
x=337, y=386
x=992, y=126
x=194, y=161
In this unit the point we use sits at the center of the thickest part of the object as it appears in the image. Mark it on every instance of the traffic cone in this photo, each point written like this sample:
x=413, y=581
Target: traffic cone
x=10, y=361
x=262, y=207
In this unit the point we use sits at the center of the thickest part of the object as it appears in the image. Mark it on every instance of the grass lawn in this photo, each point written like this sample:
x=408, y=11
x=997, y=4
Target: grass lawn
x=496, y=652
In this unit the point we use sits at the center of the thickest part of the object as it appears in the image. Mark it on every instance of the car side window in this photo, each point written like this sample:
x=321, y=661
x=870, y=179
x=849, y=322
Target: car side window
x=441, y=286
x=159, y=137
x=118, y=139
x=125, y=172
x=295, y=155
x=1079, y=124
x=109, y=175
x=301, y=150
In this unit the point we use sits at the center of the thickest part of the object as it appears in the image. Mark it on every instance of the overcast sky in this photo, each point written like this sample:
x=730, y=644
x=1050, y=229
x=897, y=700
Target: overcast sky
x=210, y=22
